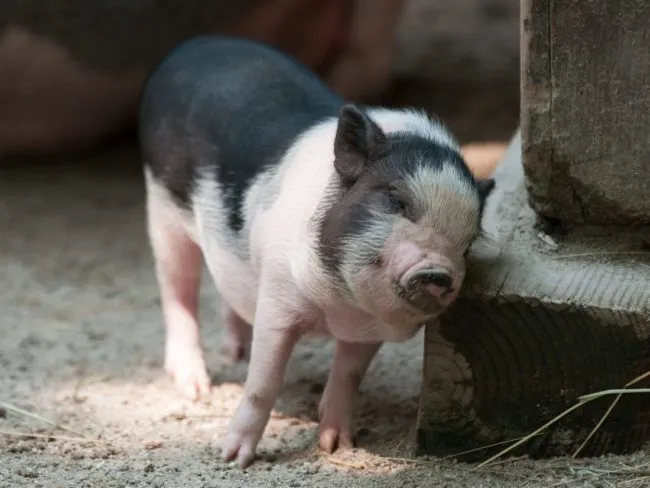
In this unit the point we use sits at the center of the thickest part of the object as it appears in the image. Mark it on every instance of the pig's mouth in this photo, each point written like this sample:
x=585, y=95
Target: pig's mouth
x=429, y=290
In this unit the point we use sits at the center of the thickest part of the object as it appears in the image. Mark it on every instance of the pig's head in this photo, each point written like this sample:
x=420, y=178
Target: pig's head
x=404, y=211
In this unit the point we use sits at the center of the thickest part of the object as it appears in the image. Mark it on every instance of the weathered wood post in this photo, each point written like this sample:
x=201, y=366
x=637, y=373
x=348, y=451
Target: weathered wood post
x=558, y=305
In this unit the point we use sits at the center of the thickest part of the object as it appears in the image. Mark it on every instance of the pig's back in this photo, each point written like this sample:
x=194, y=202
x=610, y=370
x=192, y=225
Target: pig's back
x=230, y=109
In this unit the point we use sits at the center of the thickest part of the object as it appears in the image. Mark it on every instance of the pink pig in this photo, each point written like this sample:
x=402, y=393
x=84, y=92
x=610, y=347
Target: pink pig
x=313, y=216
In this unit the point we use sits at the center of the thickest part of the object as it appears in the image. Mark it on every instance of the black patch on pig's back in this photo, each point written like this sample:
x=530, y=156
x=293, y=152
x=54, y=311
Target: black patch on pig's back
x=229, y=109
x=240, y=163
x=171, y=164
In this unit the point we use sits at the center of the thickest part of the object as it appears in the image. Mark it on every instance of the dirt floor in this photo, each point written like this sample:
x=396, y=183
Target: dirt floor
x=81, y=340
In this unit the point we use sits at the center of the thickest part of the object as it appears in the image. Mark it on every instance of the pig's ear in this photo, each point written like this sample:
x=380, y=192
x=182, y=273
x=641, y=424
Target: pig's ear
x=359, y=141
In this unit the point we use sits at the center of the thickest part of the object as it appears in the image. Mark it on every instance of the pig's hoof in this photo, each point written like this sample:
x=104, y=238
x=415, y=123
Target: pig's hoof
x=239, y=448
x=333, y=438
x=187, y=368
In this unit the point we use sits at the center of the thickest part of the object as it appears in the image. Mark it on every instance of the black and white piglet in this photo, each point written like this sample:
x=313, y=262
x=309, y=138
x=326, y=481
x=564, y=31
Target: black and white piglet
x=313, y=216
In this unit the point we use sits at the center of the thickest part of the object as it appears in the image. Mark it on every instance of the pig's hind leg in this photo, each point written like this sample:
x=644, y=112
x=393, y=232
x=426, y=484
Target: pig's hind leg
x=178, y=262
x=237, y=341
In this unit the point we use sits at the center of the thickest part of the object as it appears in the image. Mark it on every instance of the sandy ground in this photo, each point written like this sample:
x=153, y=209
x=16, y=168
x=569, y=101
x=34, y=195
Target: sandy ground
x=81, y=340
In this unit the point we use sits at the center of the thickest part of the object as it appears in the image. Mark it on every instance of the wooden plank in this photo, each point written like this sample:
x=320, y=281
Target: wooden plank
x=536, y=327
x=586, y=109
x=535, y=104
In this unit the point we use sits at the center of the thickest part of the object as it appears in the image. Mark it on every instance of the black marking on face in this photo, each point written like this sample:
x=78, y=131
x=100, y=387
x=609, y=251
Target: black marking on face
x=372, y=181
x=230, y=108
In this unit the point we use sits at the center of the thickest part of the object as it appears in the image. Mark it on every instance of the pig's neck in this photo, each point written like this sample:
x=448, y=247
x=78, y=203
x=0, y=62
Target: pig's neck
x=350, y=324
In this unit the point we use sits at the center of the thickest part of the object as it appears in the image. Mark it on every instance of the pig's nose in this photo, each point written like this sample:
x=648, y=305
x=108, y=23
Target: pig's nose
x=440, y=278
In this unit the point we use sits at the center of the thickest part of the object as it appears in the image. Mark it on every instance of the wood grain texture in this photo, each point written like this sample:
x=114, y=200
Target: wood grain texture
x=535, y=104
x=586, y=109
x=534, y=329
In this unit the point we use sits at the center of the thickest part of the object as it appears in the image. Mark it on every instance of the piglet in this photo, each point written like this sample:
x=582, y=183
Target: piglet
x=313, y=215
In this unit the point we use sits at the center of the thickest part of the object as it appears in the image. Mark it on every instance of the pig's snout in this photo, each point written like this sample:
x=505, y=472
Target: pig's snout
x=434, y=281
x=430, y=289
x=428, y=282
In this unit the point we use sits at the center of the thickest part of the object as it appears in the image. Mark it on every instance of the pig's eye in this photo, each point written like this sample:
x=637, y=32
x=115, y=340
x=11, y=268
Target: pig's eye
x=397, y=203
x=390, y=202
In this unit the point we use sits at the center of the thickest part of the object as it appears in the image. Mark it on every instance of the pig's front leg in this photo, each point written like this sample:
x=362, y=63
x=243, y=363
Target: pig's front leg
x=274, y=336
x=336, y=408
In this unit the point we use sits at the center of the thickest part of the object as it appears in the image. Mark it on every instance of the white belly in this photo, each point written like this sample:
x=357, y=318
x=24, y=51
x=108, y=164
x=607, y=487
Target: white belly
x=235, y=281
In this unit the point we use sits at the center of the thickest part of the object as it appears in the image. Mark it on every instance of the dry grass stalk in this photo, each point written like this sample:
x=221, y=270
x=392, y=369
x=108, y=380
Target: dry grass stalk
x=640, y=473
x=345, y=464
x=581, y=401
x=49, y=436
x=611, y=407
x=80, y=436
x=20, y=411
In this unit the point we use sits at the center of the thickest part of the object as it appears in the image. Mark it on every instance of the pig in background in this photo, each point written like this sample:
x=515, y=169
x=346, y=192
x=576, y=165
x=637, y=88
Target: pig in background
x=313, y=215
x=71, y=71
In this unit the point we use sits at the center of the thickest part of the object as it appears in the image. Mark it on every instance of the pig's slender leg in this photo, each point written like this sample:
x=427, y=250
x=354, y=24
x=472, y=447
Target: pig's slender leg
x=239, y=333
x=178, y=270
x=274, y=337
x=350, y=364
